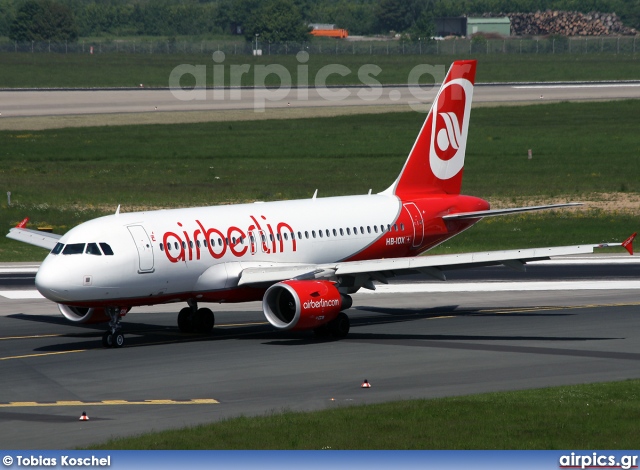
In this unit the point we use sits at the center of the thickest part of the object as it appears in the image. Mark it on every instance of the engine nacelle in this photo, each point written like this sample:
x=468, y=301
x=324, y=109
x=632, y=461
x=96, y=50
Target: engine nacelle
x=303, y=305
x=86, y=314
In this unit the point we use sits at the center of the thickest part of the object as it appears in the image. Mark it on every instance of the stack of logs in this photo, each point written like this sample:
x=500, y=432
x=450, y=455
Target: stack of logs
x=566, y=23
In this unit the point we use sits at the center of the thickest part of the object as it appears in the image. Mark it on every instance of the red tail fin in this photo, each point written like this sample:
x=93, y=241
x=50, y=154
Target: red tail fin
x=23, y=224
x=435, y=164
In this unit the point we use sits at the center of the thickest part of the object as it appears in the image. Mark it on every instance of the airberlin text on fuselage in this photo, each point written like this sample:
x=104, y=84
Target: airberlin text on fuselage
x=186, y=243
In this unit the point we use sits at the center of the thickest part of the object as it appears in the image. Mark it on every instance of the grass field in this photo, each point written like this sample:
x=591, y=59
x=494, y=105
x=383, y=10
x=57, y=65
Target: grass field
x=595, y=416
x=23, y=70
x=65, y=176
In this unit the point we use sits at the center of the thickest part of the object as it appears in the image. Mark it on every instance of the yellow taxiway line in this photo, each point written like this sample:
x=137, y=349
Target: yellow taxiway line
x=30, y=404
x=42, y=354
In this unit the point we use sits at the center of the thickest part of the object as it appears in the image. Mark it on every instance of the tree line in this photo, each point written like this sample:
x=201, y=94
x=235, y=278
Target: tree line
x=273, y=20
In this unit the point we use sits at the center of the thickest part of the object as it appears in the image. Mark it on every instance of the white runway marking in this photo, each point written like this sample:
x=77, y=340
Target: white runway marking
x=499, y=286
x=588, y=261
x=21, y=294
x=595, y=85
x=21, y=269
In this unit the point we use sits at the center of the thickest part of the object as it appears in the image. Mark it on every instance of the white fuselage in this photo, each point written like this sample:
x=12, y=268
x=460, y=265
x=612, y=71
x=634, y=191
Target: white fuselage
x=160, y=254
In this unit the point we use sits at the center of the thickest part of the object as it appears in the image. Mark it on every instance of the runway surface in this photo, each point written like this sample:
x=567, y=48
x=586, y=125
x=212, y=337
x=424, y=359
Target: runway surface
x=78, y=102
x=407, y=345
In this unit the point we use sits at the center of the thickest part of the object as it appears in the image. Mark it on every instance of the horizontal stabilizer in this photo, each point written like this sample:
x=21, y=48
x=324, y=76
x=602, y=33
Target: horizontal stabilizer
x=513, y=210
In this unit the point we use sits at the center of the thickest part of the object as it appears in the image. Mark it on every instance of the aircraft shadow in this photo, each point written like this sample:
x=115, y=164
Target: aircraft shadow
x=146, y=334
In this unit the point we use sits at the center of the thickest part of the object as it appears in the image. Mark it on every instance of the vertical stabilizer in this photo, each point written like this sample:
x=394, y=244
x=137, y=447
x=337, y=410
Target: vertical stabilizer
x=436, y=161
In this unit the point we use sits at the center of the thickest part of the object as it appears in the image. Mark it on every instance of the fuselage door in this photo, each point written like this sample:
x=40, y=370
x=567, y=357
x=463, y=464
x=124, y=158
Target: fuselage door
x=417, y=222
x=144, y=246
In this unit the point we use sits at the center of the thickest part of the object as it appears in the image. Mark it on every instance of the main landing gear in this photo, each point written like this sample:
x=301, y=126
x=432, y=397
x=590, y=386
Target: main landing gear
x=338, y=327
x=113, y=338
x=192, y=319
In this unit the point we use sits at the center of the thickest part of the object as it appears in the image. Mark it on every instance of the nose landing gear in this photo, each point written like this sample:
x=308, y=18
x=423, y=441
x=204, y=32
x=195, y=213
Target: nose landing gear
x=114, y=338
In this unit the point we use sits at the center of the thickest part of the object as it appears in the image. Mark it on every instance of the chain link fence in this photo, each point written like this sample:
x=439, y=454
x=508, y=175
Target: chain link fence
x=475, y=46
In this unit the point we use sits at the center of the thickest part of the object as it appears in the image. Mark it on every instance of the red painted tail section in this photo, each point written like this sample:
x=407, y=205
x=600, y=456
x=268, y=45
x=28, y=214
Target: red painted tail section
x=23, y=224
x=435, y=164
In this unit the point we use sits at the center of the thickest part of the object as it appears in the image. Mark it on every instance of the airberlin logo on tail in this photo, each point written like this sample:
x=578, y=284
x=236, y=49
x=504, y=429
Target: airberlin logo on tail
x=449, y=127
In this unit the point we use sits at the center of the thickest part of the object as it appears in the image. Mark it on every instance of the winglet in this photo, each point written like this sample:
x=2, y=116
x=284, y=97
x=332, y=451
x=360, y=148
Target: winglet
x=628, y=243
x=23, y=224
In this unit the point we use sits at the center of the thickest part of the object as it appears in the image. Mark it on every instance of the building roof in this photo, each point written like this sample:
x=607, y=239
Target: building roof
x=500, y=20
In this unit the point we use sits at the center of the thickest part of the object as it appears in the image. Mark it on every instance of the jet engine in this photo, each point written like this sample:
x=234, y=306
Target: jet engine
x=85, y=314
x=303, y=305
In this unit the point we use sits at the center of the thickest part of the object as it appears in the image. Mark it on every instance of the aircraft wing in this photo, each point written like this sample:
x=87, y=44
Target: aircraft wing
x=34, y=237
x=382, y=269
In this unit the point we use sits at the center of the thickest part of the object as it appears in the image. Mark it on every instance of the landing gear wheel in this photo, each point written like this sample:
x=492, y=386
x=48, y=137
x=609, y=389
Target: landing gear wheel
x=340, y=325
x=322, y=331
x=204, y=321
x=118, y=340
x=113, y=338
x=107, y=340
x=185, y=320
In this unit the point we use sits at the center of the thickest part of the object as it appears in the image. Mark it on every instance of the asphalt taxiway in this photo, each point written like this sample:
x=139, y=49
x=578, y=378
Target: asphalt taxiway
x=414, y=344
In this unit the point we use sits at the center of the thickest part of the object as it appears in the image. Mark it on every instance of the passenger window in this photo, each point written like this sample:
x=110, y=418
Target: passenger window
x=402, y=227
x=368, y=229
x=161, y=246
x=73, y=249
x=220, y=241
x=341, y=233
x=362, y=230
x=299, y=236
x=375, y=228
x=335, y=234
x=57, y=249
x=348, y=231
x=278, y=237
x=313, y=232
x=184, y=245
x=106, y=249
x=168, y=246
x=320, y=233
x=328, y=233
x=285, y=236
x=198, y=243
x=306, y=235
x=395, y=227
x=92, y=249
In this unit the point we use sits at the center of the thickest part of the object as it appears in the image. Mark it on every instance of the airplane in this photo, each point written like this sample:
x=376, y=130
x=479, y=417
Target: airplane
x=303, y=258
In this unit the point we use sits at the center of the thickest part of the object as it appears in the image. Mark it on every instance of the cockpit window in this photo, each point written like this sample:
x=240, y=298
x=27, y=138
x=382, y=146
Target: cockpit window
x=92, y=249
x=57, y=249
x=106, y=249
x=73, y=249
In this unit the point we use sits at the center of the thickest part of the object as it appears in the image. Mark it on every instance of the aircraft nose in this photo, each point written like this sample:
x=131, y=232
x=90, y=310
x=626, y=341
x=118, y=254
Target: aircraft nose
x=50, y=283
